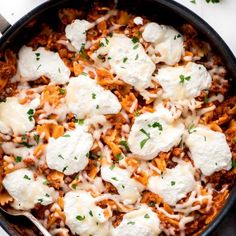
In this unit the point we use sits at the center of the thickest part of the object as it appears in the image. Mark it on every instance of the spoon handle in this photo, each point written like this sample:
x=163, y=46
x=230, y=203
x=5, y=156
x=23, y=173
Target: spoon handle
x=41, y=228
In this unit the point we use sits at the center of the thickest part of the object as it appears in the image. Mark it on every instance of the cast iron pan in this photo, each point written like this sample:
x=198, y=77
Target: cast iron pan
x=162, y=11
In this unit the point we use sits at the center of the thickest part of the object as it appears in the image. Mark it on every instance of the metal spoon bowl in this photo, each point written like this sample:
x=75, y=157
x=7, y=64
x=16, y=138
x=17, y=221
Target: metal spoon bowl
x=27, y=214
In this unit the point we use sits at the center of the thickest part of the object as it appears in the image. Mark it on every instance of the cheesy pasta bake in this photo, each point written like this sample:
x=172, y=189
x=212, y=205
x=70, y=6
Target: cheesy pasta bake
x=112, y=125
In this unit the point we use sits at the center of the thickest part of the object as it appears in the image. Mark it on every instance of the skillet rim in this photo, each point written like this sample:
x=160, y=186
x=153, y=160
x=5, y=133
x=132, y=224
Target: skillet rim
x=201, y=25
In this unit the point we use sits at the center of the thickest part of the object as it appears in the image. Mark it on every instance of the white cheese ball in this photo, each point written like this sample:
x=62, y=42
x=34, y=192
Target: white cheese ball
x=152, y=133
x=195, y=78
x=129, y=189
x=128, y=60
x=86, y=98
x=67, y=154
x=76, y=32
x=209, y=150
x=166, y=42
x=41, y=62
x=174, y=184
x=28, y=191
x=83, y=217
x=142, y=222
x=17, y=118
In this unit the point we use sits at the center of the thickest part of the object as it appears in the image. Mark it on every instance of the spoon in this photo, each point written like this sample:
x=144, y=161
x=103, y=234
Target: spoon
x=27, y=214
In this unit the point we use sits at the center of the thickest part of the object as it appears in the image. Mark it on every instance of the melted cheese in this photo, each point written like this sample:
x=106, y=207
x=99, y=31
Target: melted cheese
x=169, y=78
x=128, y=60
x=209, y=150
x=14, y=118
x=163, y=137
x=11, y=148
x=167, y=43
x=128, y=188
x=76, y=32
x=174, y=184
x=41, y=62
x=86, y=98
x=142, y=222
x=83, y=217
x=28, y=191
x=68, y=153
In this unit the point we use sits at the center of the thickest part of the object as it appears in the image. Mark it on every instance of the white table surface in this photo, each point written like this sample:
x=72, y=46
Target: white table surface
x=221, y=16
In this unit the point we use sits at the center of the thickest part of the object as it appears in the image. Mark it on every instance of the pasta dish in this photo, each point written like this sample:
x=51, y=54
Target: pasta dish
x=111, y=124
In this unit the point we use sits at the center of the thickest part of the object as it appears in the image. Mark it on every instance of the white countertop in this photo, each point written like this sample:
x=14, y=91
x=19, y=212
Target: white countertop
x=221, y=16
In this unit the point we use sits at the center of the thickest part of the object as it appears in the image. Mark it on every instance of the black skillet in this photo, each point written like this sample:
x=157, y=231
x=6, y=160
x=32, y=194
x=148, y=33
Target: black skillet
x=162, y=11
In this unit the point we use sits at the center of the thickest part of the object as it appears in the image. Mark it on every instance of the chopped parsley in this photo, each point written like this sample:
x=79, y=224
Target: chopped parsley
x=136, y=58
x=80, y=218
x=66, y=136
x=136, y=46
x=59, y=69
x=172, y=183
x=83, y=73
x=18, y=158
x=114, y=178
x=37, y=56
x=93, y=96
x=124, y=144
x=91, y=213
x=177, y=36
x=119, y=157
x=234, y=140
x=107, y=41
x=205, y=138
x=143, y=142
x=233, y=164
x=134, y=39
x=193, y=1
x=45, y=182
x=80, y=121
x=206, y=99
x=212, y=1
x=27, y=177
x=62, y=91
x=61, y=157
x=39, y=66
x=183, y=78
x=112, y=167
x=110, y=34
x=109, y=58
x=97, y=107
x=146, y=216
x=74, y=186
x=151, y=204
x=191, y=129
x=123, y=186
x=26, y=144
x=101, y=44
x=30, y=112
x=156, y=125
x=125, y=59
x=131, y=223
x=36, y=138
x=47, y=195
x=76, y=158
x=40, y=200
x=64, y=169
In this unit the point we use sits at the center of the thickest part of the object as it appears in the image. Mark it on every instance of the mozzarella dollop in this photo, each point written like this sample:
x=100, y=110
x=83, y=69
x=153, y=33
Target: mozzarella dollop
x=41, y=62
x=86, y=98
x=28, y=191
x=16, y=118
x=129, y=189
x=128, y=60
x=209, y=150
x=142, y=222
x=167, y=43
x=68, y=153
x=138, y=20
x=174, y=184
x=152, y=133
x=76, y=33
x=83, y=217
x=197, y=80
